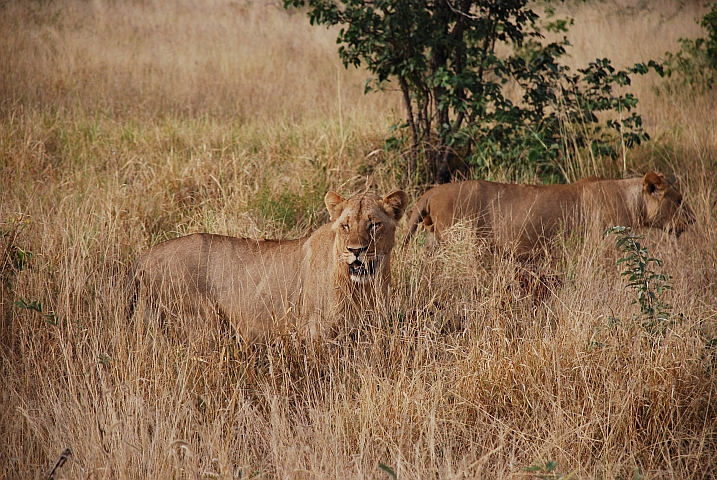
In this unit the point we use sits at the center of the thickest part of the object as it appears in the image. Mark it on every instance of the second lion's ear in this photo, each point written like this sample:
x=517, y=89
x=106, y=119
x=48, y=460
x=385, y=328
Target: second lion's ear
x=334, y=204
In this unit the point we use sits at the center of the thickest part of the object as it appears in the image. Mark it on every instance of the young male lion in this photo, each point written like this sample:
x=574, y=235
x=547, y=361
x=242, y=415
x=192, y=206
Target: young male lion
x=262, y=286
x=519, y=218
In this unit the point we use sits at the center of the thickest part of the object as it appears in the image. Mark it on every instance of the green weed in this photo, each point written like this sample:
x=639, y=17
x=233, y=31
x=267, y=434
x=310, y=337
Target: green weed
x=648, y=284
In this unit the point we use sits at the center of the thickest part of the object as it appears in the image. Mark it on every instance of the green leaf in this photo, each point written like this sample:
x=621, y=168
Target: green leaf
x=388, y=470
x=32, y=305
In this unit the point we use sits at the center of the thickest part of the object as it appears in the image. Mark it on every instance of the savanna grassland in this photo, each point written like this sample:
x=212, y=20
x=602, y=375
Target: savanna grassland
x=123, y=124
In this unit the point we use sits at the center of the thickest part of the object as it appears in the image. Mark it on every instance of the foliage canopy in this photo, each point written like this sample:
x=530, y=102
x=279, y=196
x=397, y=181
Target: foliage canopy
x=478, y=82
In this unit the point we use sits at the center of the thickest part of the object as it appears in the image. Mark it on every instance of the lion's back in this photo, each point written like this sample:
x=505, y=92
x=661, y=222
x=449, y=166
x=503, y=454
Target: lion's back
x=252, y=283
x=513, y=216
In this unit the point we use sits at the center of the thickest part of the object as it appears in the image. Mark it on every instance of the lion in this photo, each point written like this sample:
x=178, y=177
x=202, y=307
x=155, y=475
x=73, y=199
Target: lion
x=307, y=285
x=521, y=218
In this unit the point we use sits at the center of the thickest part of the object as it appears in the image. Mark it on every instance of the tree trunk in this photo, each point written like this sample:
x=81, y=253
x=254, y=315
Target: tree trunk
x=412, y=125
x=443, y=171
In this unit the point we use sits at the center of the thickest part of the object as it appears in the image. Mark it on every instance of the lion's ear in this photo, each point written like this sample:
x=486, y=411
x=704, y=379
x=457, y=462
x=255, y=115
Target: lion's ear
x=334, y=204
x=395, y=204
x=652, y=182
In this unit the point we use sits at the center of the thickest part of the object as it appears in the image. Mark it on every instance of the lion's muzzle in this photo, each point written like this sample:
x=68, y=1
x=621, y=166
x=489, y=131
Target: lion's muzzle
x=683, y=218
x=361, y=269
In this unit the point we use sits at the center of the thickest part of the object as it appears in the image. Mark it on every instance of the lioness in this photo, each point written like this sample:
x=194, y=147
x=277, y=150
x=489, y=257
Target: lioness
x=261, y=286
x=520, y=218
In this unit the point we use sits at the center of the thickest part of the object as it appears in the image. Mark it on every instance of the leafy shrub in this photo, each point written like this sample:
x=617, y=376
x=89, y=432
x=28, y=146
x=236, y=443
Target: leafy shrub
x=446, y=58
x=695, y=64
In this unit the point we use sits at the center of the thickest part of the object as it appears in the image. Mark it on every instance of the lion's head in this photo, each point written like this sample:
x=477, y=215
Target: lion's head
x=664, y=207
x=364, y=228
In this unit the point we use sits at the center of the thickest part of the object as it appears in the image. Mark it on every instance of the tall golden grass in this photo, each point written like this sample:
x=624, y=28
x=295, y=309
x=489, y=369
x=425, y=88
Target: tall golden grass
x=126, y=123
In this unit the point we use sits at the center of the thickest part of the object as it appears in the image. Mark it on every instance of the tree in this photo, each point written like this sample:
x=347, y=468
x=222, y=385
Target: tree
x=444, y=56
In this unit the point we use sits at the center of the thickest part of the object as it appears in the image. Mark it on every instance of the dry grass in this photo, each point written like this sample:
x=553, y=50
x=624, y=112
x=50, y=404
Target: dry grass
x=127, y=123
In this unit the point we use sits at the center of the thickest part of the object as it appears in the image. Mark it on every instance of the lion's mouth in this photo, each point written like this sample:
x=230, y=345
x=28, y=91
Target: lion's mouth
x=360, y=271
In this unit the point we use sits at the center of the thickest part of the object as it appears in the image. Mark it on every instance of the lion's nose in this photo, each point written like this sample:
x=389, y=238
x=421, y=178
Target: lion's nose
x=356, y=250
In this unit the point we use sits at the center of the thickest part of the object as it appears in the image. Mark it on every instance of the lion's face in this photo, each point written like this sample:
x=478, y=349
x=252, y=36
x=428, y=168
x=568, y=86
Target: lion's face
x=664, y=206
x=365, y=227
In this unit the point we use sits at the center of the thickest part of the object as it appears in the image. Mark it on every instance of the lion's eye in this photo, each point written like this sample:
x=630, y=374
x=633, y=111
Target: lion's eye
x=374, y=226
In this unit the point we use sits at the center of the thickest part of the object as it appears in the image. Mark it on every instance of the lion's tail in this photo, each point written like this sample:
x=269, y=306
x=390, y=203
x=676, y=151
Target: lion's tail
x=419, y=213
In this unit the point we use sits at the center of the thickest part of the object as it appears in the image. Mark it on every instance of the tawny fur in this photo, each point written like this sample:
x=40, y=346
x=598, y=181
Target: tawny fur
x=519, y=218
x=266, y=286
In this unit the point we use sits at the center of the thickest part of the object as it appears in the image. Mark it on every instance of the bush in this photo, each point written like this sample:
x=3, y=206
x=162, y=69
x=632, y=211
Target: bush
x=446, y=58
x=695, y=64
